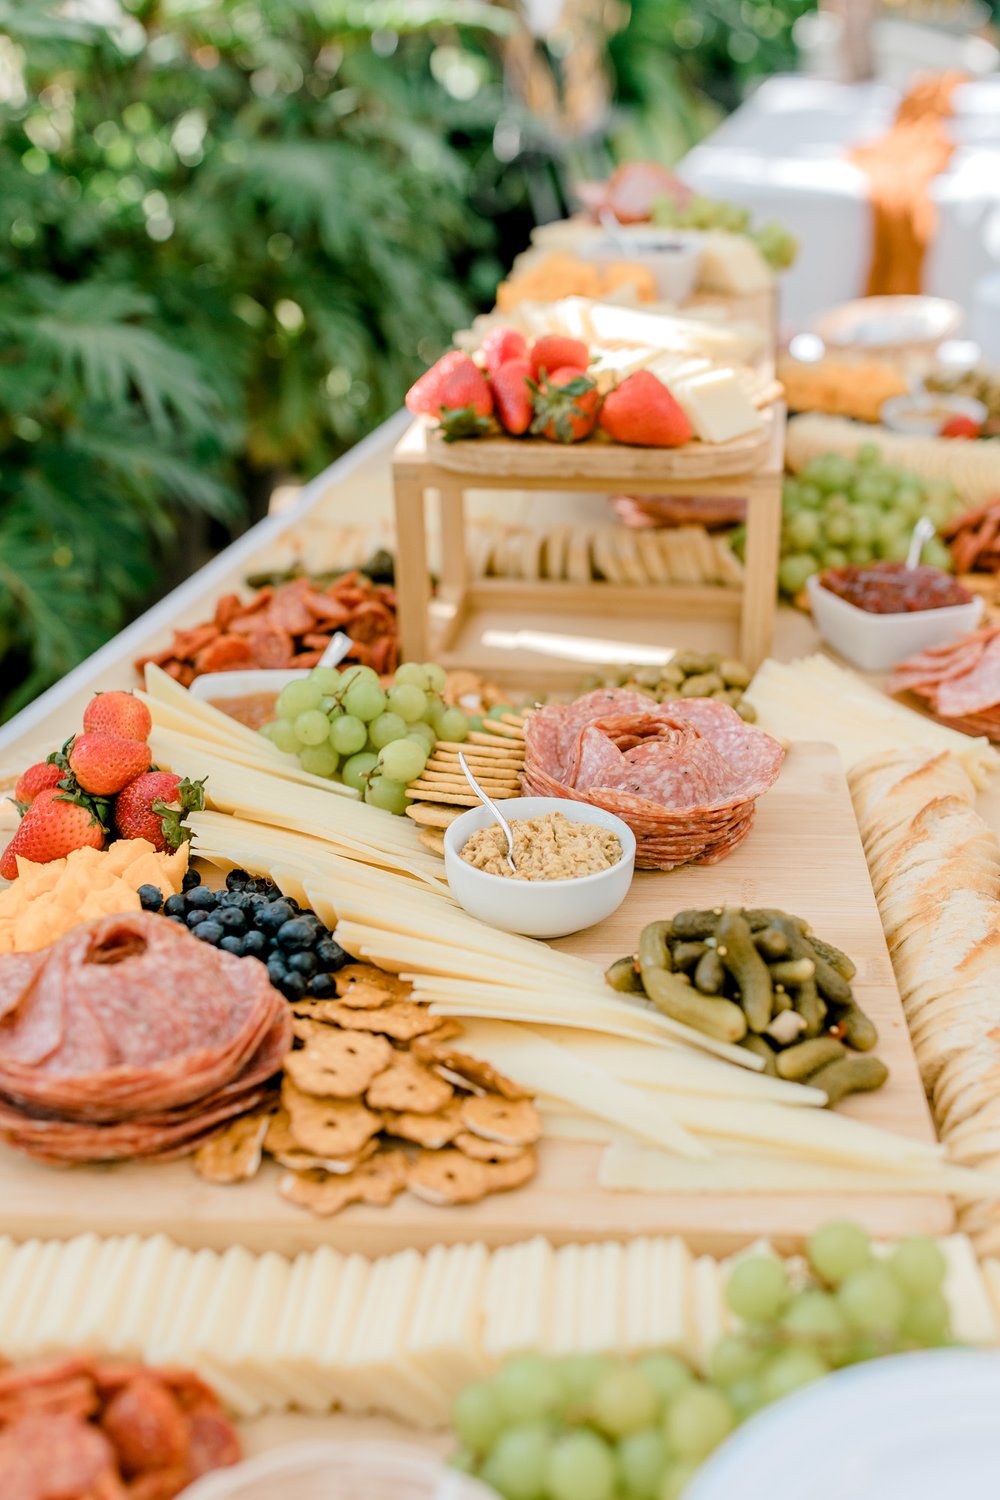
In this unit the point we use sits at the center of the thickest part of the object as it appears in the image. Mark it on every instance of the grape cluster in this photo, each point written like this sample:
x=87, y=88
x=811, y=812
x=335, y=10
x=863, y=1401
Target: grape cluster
x=596, y=1427
x=347, y=726
x=777, y=245
x=838, y=511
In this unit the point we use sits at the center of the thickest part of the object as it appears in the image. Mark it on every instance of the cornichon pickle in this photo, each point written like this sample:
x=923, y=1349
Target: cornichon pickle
x=858, y=1028
x=734, y=674
x=770, y=916
x=735, y=946
x=690, y=662
x=810, y=1006
x=771, y=944
x=710, y=974
x=798, y=1062
x=829, y=983
x=758, y=1045
x=701, y=685
x=746, y=711
x=686, y=955
x=845, y=967
x=793, y=971
x=851, y=1075
x=688, y=926
x=624, y=976
x=677, y=998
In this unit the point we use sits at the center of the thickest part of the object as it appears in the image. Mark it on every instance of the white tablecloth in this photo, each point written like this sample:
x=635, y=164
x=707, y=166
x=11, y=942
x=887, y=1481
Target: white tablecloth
x=783, y=154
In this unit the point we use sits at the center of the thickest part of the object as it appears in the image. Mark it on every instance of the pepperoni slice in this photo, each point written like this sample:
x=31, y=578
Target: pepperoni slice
x=146, y=1426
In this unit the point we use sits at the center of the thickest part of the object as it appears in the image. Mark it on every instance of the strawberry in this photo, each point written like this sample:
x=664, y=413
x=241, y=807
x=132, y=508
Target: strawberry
x=121, y=714
x=512, y=396
x=34, y=780
x=642, y=411
x=465, y=402
x=960, y=427
x=424, y=397
x=553, y=352
x=53, y=827
x=565, y=404
x=103, y=764
x=153, y=807
x=501, y=346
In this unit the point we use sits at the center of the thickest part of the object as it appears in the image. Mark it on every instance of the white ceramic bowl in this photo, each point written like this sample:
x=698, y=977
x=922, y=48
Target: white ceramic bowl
x=877, y=642
x=925, y=414
x=538, y=908
x=672, y=256
x=889, y=323
x=213, y=685
x=340, y=1471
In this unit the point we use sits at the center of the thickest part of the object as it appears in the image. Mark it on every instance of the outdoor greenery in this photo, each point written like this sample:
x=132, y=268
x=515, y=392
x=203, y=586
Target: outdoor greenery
x=232, y=231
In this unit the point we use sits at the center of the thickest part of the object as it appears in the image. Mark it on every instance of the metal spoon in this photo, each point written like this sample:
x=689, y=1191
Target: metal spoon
x=922, y=533
x=488, y=802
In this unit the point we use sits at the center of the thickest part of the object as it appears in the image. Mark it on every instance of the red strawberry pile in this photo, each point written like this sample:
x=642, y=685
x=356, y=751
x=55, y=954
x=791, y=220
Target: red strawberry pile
x=546, y=390
x=100, y=787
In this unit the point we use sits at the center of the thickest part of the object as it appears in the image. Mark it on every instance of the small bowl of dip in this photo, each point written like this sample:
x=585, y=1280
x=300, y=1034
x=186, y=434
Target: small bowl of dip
x=877, y=614
x=567, y=878
x=926, y=414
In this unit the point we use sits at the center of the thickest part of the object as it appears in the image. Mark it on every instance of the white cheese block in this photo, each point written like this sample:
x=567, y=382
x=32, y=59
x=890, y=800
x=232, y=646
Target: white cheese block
x=600, y=1315
x=88, y=1326
x=711, y=1317
x=975, y=1319
x=444, y=1337
x=731, y=263
x=328, y=1318
x=308, y=1311
x=717, y=406
x=375, y=1377
x=50, y=1320
x=153, y=1281
x=657, y=1311
x=518, y=1290
x=29, y=1282
x=177, y=1328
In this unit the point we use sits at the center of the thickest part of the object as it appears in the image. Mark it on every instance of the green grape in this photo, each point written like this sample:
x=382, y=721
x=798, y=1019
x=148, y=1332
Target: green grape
x=402, y=760
x=327, y=679
x=580, y=1467
x=867, y=454
x=475, y=722
x=909, y=502
x=871, y=1300
x=312, y=727
x=835, y=473
x=863, y=522
x=365, y=700
x=463, y=1461
x=330, y=706
x=927, y=1319
x=357, y=769
x=319, y=760
x=411, y=674
x=677, y=1478
x=355, y=673
x=348, y=735
x=838, y=1248
x=790, y=1370
x=666, y=1374
x=435, y=707
x=282, y=736
x=860, y=554
x=810, y=496
x=423, y=734
x=697, y=1421
x=815, y=1315
x=384, y=729
x=834, y=557
x=839, y=529
x=476, y=1416
x=408, y=701
x=528, y=1386
x=869, y=489
x=624, y=1401
x=389, y=795
x=837, y=505
x=757, y=1288
x=437, y=677
x=746, y=1395
x=518, y=1460
x=452, y=725
x=733, y=1359
x=498, y=710
x=642, y=1458
x=298, y=697
x=919, y=1266
x=579, y=1374
x=794, y=570
x=804, y=531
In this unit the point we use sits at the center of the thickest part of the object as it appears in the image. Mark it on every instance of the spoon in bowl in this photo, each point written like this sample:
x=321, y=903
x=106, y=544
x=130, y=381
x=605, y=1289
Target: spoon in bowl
x=922, y=533
x=488, y=802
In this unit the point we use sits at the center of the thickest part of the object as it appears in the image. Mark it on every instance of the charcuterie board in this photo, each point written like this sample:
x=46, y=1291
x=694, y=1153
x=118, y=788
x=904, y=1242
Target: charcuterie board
x=804, y=854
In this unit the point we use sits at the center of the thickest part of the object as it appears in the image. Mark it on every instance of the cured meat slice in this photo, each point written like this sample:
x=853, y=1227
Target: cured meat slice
x=146, y=1425
x=53, y=1458
x=974, y=690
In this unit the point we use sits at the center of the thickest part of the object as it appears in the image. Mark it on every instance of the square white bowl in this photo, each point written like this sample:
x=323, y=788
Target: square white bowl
x=877, y=642
x=246, y=680
x=538, y=908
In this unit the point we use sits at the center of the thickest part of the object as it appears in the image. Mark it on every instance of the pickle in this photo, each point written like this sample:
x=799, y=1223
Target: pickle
x=845, y=967
x=771, y=944
x=710, y=974
x=735, y=946
x=693, y=925
x=798, y=1062
x=793, y=971
x=624, y=976
x=701, y=684
x=692, y=663
x=686, y=955
x=851, y=1075
x=676, y=997
x=829, y=983
x=734, y=674
x=858, y=1029
x=811, y=1007
x=746, y=711
x=770, y=916
x=758, y=1045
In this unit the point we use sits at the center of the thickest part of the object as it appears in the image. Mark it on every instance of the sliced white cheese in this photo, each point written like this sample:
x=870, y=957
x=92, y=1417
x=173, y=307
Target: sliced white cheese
x=717, y=406
x=153, y=1281
x=30, y=1282
x=50, y=1320
x=657, y=1297
x=90, y=1321
x=711, y=1317
x=732, y=264
x=516, y=1299
x=444, y=1336
x=177, y=1327
x=374, y=1375
x=975, y=1317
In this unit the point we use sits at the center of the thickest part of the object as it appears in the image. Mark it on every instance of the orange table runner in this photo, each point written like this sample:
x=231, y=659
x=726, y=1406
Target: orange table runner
x=901, y=165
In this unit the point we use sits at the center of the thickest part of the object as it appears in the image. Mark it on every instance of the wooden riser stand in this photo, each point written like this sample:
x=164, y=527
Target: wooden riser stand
x=421, y=462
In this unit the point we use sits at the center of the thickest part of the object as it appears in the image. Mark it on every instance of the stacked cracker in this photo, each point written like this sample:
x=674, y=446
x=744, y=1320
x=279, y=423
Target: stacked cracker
x=614, y=554
x=374, y=1075
x=495, y=755
x=935, y=868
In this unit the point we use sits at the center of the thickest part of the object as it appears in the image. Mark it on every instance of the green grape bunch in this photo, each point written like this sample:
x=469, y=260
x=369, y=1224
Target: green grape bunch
x=600, y=1427
x=346, y=726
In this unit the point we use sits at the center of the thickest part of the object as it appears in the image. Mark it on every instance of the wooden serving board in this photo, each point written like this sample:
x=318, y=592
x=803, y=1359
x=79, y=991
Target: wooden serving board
x=804, y=854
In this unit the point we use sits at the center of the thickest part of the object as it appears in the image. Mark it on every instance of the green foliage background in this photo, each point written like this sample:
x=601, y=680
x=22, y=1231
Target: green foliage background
x=232, y=232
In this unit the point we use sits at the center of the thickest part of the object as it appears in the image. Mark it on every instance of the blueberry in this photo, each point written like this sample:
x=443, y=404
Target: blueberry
x=295, y=934
x=322, y=987
x=237, y=880
x=255, y=943
x=238, y=900
x=201, y=898
x=210, y=932
x=276, y=971
x=274, y=915
x=302, y=963
x=232, y=945
x=174, y=906
x=150, y=897
x=197, y=918
x=191, y=879
x=293, y=986
x=231, y=919
x=330, y=955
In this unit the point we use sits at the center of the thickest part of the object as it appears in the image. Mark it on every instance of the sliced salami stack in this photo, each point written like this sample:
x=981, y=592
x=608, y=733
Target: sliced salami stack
x=128, y=1038
x=959, y=682
x=684, y=775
